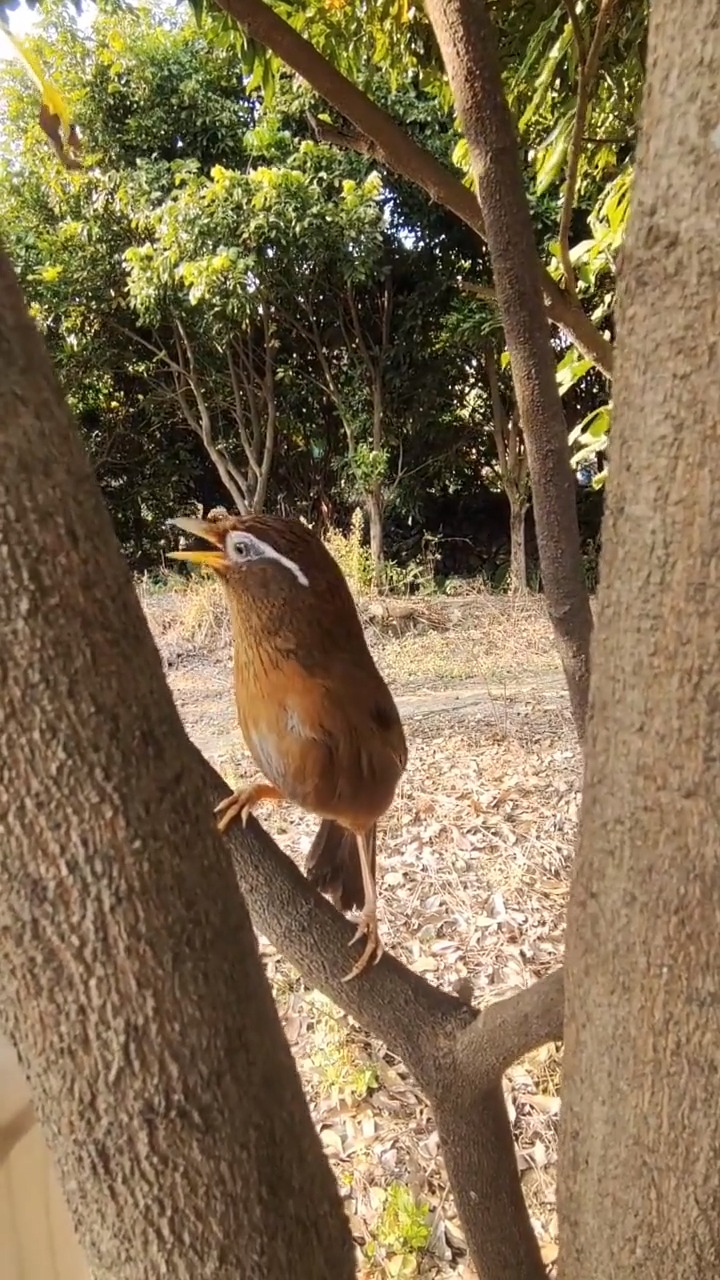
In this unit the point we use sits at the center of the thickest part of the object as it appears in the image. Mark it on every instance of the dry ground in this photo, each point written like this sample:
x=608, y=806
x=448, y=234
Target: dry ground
x=473, y=884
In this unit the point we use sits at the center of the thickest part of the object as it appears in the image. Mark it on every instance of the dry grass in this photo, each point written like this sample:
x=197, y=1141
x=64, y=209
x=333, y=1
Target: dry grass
x=485, y=634
x=473, y=885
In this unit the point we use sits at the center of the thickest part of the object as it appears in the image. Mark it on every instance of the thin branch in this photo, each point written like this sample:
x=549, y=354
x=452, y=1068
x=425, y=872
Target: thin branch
x=577, y=30
x=348, y=139
x=240, y=416
x=587, y=73
x=365, y=352
x=270, y=407
x=160, y=352
x=387, y=306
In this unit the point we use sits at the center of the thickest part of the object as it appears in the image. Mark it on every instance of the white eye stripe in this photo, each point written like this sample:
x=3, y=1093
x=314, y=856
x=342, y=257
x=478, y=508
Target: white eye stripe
x=255, y=549
x=289, y=564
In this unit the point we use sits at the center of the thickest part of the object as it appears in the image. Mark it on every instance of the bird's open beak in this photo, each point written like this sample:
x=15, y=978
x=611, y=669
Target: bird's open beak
x=200, y=529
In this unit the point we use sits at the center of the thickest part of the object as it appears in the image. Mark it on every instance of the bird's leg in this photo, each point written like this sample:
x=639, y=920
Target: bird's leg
x=367, y=924
x=242, y=802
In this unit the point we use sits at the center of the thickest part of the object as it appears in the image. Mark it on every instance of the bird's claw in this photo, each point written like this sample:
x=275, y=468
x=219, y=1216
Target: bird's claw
x=373, y=950
x=232, y=807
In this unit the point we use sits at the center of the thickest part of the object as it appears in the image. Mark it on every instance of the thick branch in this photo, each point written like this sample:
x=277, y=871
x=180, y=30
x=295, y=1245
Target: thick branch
x=491, y=1205
x=123, y=937
x=456, y=1055
x=467, y=42
x=397, y=150
x=398, y=1006
x=508, y=1029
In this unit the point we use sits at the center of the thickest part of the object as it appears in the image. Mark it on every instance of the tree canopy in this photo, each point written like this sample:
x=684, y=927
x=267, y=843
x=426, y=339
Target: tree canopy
x=246, y=301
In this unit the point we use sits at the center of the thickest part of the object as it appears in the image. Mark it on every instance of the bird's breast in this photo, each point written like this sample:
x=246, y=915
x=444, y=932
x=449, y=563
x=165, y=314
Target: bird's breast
x=276, y=724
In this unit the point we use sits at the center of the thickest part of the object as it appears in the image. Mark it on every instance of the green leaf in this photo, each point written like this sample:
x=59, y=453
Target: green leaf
x=571, y=369
x=551, y=157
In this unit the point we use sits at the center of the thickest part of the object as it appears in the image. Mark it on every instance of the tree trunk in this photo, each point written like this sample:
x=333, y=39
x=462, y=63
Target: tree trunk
x=374, y=506
x=129, y=976
x=639, y=1193
x=518, y=560
x=467, y=43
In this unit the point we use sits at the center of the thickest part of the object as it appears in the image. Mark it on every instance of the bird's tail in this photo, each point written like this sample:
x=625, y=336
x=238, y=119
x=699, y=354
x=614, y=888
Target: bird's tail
x=333, y=864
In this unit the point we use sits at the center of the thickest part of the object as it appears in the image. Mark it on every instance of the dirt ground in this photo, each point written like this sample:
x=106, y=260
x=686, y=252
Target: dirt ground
x=473, y=866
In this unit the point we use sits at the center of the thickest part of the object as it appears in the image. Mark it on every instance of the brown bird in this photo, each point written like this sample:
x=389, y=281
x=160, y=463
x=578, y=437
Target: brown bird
x=316, y=715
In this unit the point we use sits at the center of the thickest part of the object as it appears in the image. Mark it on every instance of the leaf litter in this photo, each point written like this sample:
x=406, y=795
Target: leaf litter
x=474, y=858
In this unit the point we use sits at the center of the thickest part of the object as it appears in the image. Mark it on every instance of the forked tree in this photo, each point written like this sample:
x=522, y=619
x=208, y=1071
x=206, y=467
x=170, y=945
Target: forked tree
x=123, y=933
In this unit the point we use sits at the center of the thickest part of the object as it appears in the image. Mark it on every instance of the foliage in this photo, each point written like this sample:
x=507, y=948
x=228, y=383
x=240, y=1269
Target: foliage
x=351, y=554
x=210, y=205
x=401, y=1232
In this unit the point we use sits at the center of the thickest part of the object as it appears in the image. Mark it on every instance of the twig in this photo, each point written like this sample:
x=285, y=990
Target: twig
x=587, y=72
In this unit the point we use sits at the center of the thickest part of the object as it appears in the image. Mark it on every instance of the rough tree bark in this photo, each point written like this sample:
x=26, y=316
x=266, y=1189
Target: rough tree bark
x=389, y=144
x=640, y=1195
x=467, y=43
x=518, y=556
x=129, y=976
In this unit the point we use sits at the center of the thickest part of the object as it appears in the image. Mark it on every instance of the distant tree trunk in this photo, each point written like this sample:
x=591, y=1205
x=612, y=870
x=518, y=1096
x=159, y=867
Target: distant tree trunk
x=129, y=975
x=513, y=469
x=375, y=506
x=518, y=558
x=639, y=1185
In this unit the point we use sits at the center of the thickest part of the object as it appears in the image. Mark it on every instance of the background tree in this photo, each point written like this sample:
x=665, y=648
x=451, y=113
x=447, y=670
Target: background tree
x=194, y=115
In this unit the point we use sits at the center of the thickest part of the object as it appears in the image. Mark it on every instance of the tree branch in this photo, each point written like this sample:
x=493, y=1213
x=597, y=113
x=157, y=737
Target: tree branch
x=270, y=408
x=239, y=414
x=466, y=37
x=395, y=149
x=508, y=1029
x=396, y=1005
x=456, y=1054
x=578, y=36
x=587, y=72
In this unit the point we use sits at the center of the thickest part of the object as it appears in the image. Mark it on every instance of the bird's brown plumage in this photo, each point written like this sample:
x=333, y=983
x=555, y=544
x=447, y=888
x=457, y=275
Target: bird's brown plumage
x=317, y=716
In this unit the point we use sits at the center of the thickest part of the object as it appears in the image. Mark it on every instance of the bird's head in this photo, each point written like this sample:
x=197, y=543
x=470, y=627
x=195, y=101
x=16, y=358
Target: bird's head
x=239, y=545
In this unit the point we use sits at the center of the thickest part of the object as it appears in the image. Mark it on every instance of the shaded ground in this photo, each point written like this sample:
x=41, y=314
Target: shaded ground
x=473, y=882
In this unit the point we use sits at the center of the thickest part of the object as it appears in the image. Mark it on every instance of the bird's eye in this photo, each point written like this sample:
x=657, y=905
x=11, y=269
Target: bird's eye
x=236, y=547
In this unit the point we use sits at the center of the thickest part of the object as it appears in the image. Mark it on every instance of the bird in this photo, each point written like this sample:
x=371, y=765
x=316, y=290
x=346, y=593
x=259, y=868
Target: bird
x=316, y=714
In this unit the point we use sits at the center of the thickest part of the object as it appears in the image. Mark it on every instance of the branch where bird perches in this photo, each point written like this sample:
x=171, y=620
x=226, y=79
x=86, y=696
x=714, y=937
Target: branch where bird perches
x=433, y=1031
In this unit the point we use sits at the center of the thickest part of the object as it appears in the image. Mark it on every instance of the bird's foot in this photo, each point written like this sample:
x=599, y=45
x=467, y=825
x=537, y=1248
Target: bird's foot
x=242, y=802
x=367, y=928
